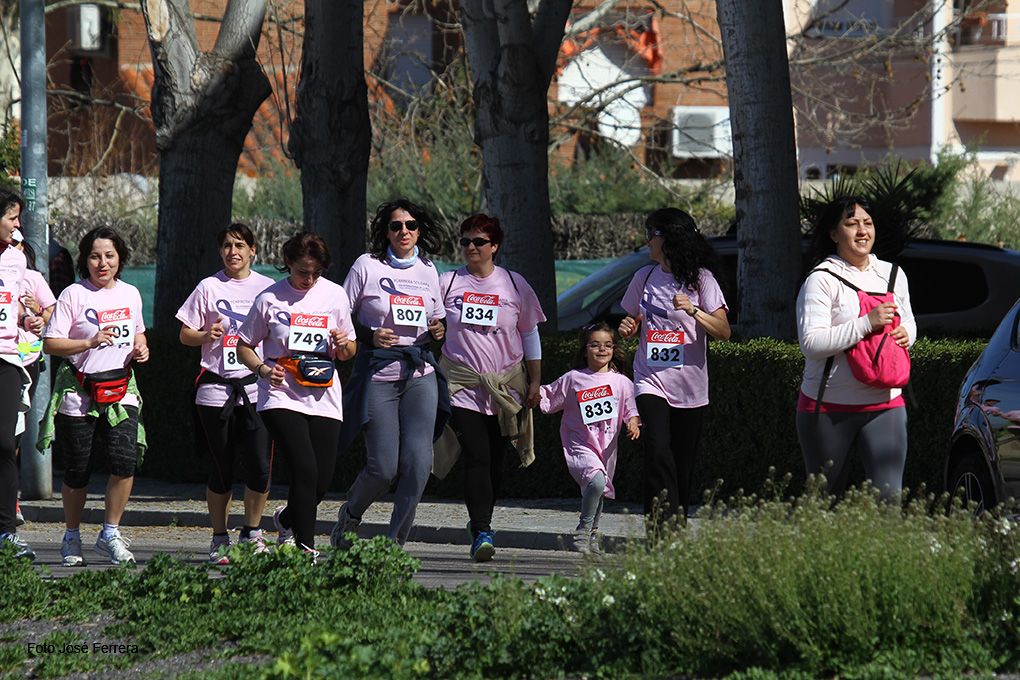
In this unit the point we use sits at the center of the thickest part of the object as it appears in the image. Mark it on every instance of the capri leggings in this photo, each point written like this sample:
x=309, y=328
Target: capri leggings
x=308, y=444
x=33, y=372
x=10, y=404
x=881, y=438
x=671, y=437
x=85, y=441
x=482, y=448
x=398, y=439
x=235, y=438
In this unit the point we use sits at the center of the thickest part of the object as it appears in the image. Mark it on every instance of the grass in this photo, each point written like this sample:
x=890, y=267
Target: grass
x=765, y=588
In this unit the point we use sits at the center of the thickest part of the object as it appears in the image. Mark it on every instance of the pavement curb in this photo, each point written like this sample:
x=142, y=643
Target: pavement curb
x=513, y=538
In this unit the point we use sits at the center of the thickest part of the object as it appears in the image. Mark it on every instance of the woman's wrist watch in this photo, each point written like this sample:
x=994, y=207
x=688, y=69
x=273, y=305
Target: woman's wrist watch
x=694, y=310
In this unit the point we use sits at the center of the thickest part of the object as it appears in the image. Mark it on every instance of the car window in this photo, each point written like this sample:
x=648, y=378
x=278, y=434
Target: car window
x=940, y=286
x=595, y=287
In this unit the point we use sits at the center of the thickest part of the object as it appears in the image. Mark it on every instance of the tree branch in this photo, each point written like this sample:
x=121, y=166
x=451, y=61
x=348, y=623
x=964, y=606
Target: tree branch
x=591, y=19
x=550, y=23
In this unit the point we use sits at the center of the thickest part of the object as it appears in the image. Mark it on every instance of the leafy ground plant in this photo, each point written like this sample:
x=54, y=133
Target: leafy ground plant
x=755, y=588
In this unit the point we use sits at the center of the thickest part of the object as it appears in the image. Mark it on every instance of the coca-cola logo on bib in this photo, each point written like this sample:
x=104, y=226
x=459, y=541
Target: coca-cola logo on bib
x=230, y=340
x=5, y=297
x=481, y=299
x=308, y=321
x=600, y=392
x=407, y=300
x=115, y=315
x=669, y=337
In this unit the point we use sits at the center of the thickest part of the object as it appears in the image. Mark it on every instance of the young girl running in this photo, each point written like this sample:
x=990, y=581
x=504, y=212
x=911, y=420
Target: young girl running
x=597, y=401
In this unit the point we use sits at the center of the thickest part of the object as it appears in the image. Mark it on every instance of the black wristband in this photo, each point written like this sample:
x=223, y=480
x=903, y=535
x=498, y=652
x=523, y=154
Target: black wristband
x=694, y=311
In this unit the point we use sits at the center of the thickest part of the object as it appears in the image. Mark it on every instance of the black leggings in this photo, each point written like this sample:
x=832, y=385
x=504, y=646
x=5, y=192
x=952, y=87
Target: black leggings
x=10, y=405
x=33, y=373
x=231, y=439
x=308, y=444
x=671, y=437
x=482, y=447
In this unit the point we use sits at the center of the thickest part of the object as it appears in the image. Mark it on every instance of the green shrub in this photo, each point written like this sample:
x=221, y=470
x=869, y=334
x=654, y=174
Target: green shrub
x=749, y=430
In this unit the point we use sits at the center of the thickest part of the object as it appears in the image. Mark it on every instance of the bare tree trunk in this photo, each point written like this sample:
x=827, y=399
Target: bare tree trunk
x=765, y=165
x=512, y=58
x=331, y=136
x=203, y=105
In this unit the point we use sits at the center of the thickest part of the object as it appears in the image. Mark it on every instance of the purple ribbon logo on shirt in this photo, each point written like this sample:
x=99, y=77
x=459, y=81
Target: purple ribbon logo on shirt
x=651, y=309
x=386, y=283
x=283, y=318
x=92, y=316
x=236, y=319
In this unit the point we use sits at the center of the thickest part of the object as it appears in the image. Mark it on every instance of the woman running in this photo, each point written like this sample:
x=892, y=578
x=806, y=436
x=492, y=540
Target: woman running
x=226, y=394
x=303, y=323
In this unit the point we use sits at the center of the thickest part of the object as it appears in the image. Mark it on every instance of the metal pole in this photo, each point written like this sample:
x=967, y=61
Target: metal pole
x=36, y=471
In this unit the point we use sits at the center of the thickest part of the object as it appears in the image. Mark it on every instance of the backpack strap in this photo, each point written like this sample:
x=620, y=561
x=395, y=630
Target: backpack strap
x=837, y=276
x=513, y=281
x=821, y=386
x=892, y=277
x=450, y=287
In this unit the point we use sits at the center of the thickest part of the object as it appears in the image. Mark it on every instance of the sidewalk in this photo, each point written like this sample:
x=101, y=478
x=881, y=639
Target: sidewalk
x=538, y=524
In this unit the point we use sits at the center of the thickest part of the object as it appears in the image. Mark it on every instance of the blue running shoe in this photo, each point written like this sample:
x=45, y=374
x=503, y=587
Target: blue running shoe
x=483, y=548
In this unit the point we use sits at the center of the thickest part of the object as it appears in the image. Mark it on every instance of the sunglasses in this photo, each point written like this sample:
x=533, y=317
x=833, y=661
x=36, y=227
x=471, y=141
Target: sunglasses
x=478, y=242
x=397, y=225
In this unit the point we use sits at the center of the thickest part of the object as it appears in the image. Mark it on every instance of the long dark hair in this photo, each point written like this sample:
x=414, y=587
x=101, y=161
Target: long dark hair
x=684, y=247
x=8, y=199
x=378, y=230
x=619, y=361
x=828, y=220
x=85, y=249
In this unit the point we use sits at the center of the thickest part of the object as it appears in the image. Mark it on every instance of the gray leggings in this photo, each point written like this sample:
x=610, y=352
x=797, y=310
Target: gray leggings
x=398, y=438
x=881, y=438
x=591, y=503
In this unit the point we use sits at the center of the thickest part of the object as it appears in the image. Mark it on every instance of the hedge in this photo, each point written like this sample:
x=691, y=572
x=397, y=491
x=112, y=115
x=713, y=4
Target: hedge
x=749, y=430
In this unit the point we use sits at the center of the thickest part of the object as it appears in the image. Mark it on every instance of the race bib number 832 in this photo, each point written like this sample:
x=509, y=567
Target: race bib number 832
x=664, y=348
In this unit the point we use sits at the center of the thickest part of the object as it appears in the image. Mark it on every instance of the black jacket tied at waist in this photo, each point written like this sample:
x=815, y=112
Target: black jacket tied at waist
x=371, y=360
x=237, y=391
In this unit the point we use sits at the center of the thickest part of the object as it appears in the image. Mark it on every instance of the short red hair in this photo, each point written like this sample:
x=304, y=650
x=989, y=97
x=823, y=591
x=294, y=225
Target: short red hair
x=485, y=224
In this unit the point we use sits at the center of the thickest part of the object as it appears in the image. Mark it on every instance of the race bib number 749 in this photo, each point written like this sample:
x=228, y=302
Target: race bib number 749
x=308, y=332
x=664, y=348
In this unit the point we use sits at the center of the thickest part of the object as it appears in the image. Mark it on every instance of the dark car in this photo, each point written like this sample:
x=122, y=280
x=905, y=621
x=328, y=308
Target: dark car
x=983, y=462
x=957, y=289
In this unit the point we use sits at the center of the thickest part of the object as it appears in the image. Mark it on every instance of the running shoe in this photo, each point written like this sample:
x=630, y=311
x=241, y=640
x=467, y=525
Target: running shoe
x=345, y=524
x=218, y=549
x=312, y=552
x=115, y=548
x=483, y=547
x=582, y=541
x=256, y=539
x=19, y=519
x=593, y=543
x=21, y=549
x=284, y=536
x=70, y=551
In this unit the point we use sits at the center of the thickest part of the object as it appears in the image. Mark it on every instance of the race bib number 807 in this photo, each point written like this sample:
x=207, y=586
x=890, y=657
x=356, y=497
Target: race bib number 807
x=408, y=310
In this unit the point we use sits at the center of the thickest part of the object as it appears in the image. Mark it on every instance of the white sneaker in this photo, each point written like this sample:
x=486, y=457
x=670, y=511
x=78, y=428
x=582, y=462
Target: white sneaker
x=70, y=550
x=218, y=549
x=284, y=536
x=115, y=548
x=311, y=552
x=257, y=540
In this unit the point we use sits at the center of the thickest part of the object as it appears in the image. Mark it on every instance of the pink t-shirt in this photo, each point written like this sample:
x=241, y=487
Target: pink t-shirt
x=220, y=297
x=269, y=322
x=30, y=344
x=671, y=360
x=486, y=334
x=12, y=273
x=81, y=310
x=403, y=300
x=606, y=401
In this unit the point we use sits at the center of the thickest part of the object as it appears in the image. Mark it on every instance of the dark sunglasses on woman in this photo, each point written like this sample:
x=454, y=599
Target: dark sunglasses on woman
x=478, y=241
x=397, y=225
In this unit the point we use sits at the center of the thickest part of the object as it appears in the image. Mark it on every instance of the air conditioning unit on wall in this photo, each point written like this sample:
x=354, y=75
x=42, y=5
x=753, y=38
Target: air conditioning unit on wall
x=701, y=132
x=86, y=32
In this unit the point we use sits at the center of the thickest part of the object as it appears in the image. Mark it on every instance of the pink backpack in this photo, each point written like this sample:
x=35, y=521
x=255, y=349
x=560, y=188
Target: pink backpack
x=876, y=360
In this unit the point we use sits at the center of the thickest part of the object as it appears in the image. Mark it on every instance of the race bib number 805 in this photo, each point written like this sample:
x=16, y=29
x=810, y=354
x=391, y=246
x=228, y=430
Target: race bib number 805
x=664, y=348
x=119, y=324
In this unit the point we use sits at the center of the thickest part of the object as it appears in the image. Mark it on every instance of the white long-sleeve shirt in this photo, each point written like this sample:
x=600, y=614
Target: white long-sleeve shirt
x=829, y=322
